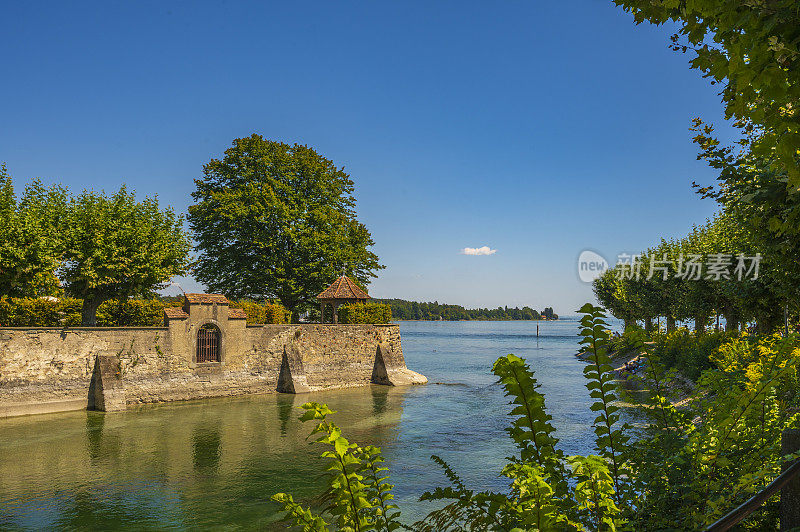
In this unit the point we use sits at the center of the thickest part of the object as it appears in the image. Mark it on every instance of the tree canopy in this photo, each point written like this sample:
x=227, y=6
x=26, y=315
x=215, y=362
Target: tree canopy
x=91, y=246
x=32, y=244
x=277, y=220
x=118, y=247
x=752, y=49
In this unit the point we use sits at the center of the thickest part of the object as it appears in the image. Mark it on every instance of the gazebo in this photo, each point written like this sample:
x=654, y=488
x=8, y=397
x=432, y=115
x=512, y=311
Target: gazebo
x=343, y=290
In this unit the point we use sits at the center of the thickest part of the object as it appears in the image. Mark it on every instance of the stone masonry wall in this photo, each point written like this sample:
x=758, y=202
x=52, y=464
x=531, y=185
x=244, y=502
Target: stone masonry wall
x=333, y=355
x=49, y=369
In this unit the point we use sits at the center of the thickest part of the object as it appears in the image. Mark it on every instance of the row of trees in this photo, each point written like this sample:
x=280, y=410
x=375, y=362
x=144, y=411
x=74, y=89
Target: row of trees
x=413, y=310
x=271, y=221
x=90, y=246
x=670, y=281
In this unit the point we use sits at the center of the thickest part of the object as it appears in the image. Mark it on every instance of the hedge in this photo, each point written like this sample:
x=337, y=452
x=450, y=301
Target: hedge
x=19, y=312
x=365, y=313
x=66, y=312
x=261, y=313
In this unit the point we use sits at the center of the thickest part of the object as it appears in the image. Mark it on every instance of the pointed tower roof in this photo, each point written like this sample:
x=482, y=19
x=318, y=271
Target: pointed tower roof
x=343, y=288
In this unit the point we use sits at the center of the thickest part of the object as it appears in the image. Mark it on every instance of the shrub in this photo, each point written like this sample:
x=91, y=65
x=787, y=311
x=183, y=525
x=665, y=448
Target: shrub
x=30, y=312
x=256, y=312
x=632, y=339
x=687, y=352
x=261, y=313
x=132, y=313
x=365, y=313
x=71, y=309
x=745, y=356
x=277, y=313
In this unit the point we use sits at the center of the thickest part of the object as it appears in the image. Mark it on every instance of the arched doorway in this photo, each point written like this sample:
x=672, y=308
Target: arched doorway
x=208, y=343
x=328, y=310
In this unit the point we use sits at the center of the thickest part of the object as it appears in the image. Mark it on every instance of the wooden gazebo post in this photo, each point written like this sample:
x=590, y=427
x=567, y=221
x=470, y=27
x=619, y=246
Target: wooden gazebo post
x=343, y=290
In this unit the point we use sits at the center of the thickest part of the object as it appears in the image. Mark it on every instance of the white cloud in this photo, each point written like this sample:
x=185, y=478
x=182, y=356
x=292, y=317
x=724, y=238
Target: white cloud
x=485, y=250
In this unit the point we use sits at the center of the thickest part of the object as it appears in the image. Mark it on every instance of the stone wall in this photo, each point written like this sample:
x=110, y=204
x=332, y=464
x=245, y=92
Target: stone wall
x=50, y=369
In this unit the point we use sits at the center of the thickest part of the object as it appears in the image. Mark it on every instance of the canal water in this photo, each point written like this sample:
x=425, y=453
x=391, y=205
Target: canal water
x=215, y=463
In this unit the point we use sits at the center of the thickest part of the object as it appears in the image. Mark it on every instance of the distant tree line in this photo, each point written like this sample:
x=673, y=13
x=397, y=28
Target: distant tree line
x=413, y=310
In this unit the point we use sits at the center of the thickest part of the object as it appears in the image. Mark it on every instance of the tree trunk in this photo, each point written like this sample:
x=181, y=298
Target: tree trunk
x=670, y=324
x=89, y=310
x=786, y=320
x=648, y=324
x=731, y=318
x=700, y=324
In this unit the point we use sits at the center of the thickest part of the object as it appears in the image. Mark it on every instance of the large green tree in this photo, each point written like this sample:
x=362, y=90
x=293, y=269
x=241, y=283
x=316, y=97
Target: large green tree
x=118, y=247
x=32, y=242
x=277, y=220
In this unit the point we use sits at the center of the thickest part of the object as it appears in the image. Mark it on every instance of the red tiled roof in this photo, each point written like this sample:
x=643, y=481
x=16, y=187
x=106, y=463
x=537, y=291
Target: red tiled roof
x=237, y=314
x=343, y=288
x=207, y=299
x=175, y=313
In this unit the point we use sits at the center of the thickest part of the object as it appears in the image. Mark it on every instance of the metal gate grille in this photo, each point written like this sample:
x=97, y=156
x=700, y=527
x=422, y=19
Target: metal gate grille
x=208, y=344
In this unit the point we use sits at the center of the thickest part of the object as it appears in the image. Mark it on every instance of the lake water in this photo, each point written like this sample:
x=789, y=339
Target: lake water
x=215, y=463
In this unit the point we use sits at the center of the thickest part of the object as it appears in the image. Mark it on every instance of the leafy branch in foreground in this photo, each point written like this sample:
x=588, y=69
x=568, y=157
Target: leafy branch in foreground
x=610, y=441
x=358, y=496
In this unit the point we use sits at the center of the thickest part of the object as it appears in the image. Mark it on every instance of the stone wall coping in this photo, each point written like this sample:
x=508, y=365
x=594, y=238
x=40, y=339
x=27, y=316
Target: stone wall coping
x=68, y=329
x=257, y=326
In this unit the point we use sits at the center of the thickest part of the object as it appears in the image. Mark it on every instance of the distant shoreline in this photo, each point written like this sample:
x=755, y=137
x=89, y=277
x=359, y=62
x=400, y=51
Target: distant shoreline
x=405, y=310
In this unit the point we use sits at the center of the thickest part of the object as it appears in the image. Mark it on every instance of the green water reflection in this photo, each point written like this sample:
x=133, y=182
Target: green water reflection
x=191, y=465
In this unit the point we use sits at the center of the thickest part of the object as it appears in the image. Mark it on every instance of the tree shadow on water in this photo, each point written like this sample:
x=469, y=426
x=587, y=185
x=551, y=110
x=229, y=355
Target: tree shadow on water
x=206, y=448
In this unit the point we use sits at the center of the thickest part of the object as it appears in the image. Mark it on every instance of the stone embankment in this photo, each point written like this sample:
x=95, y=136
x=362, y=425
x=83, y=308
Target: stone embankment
x=204, y=350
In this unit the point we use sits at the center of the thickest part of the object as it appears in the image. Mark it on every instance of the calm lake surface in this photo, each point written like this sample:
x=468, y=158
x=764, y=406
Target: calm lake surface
x=215, y=463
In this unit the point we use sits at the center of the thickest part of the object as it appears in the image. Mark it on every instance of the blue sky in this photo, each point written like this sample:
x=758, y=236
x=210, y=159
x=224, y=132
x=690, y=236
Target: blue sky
x=537, y=129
